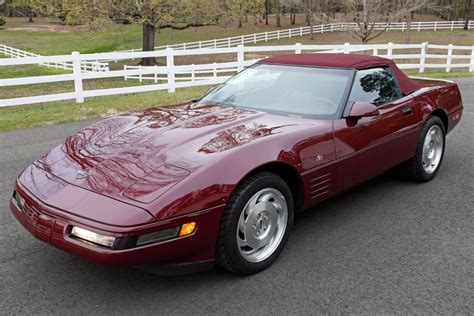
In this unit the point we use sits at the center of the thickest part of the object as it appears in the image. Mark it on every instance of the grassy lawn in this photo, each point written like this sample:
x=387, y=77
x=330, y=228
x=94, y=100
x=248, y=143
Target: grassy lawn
x=59, y=112
x=48, y=37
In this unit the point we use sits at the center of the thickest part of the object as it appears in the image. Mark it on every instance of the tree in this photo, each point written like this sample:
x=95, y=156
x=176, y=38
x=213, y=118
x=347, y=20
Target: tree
x=34, y=7
x=91, y=13
x=266, y=12
x=198, y=13
x=467, y=13
x=225, y=16
x=256, y=8
x=239, y=10
x=278, y=13
x=310, y=7
x=366, y=13
x=152, y=14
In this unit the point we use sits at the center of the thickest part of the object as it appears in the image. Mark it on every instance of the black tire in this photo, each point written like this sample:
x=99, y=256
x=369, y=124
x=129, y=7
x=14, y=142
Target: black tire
x=228, y=254
x=413, y=168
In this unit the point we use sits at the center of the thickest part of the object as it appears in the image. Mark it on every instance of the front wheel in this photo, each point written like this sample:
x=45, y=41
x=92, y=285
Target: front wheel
x=429, y=153
x=255, y=225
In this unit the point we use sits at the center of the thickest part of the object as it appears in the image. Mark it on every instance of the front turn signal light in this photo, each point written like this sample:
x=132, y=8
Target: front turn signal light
x=187, y=229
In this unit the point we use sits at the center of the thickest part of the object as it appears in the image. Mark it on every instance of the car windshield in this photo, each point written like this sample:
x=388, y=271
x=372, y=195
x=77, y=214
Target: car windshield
x=288, y=90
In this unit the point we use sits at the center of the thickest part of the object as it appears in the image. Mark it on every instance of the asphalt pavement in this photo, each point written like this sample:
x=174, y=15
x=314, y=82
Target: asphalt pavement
x=387, y=246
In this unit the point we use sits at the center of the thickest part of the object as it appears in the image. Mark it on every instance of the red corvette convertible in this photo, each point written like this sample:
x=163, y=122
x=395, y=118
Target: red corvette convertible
x=218, y=180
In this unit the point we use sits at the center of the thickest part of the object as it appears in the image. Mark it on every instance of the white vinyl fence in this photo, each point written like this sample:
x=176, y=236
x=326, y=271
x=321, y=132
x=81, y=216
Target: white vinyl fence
x=171, y=76
x=322, y=28
x=86, y=66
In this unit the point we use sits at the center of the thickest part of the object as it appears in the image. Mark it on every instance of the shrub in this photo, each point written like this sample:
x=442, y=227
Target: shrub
x=2, y=21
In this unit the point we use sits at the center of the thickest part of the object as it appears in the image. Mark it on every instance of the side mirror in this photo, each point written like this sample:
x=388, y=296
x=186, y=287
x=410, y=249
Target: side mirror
x=363, y=109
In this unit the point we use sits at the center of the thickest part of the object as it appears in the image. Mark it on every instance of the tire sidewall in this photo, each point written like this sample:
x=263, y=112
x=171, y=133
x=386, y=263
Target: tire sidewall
x=265, y=181
x=430, y=122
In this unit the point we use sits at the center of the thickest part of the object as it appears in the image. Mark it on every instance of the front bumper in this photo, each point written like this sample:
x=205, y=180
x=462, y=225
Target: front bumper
x=53, y=226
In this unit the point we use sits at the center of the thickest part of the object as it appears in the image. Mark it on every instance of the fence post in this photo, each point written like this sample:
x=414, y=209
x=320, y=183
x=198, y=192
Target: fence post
x=278, y=34
x=266, y=37
x=255, y=38
x=449, y=58
x=140, y=73
x=228, y=42
x=301, y=31
x=419, y=26
x=242, y=39
x=289, y=33
x=452, y=25
x=471, y=67
x=215, y=43
x=125, y=76
x=193, y=72
x=214, y=65
x=346, y=48
x=403, y=26
x=298, y=48
x=240, y=57
x=170, y=66
x=390, y=50
x=375, y=52
x=436, y=26
x=424, y=48
x=76, y=66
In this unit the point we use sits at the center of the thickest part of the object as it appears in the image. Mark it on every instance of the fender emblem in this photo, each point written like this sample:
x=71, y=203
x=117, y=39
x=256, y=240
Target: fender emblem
x=319, y=157
x=84, y=173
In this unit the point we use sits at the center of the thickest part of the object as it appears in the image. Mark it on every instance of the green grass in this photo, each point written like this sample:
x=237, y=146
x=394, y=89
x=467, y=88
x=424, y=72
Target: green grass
x=47, y=37
x=60, y=112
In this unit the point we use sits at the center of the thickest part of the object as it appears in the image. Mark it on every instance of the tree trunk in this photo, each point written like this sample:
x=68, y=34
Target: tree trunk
x=467, y=13
x=278, y=13
x=292, y=16
x=149, y=32
x=30, y=17
x=408, y=30
x=266, y=12
x=455, y=8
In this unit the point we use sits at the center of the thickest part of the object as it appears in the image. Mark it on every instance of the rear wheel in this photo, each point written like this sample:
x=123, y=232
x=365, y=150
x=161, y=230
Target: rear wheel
x=255, y=224
x=425, y=165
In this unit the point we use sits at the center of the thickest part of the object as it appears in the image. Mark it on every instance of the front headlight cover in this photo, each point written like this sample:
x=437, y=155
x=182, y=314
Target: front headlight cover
x=95, y=238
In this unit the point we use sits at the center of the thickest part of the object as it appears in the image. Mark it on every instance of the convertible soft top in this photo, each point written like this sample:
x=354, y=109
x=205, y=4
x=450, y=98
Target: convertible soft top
x=407, y=85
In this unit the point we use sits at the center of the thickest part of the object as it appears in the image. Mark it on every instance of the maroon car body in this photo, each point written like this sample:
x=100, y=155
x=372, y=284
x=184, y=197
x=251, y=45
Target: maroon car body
x=137, y=173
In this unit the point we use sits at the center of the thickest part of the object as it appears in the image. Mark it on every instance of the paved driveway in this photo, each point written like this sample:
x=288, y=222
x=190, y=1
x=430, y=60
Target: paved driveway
x=387, y=246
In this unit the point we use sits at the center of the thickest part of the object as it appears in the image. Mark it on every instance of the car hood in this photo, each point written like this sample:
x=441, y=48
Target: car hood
x=137, y=157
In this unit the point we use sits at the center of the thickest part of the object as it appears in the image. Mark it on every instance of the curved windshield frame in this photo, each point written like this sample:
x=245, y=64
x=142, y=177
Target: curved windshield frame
x=291, y=90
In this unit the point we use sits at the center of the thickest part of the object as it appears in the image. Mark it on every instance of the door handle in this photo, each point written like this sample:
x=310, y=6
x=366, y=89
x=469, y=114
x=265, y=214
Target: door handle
x=407, y=111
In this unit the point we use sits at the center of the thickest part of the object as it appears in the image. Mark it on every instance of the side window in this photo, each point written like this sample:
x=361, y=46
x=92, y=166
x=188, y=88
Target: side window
x=376, y=85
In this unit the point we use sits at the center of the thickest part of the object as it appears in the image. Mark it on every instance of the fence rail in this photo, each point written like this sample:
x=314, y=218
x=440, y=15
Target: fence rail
x=86, y=66
x=170, y=77
x=322, y=28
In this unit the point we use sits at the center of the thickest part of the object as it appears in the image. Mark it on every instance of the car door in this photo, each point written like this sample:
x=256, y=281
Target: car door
x=371, y=145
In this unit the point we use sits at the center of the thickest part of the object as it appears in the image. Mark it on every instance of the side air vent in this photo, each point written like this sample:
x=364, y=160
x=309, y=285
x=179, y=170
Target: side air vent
x=320, y=186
